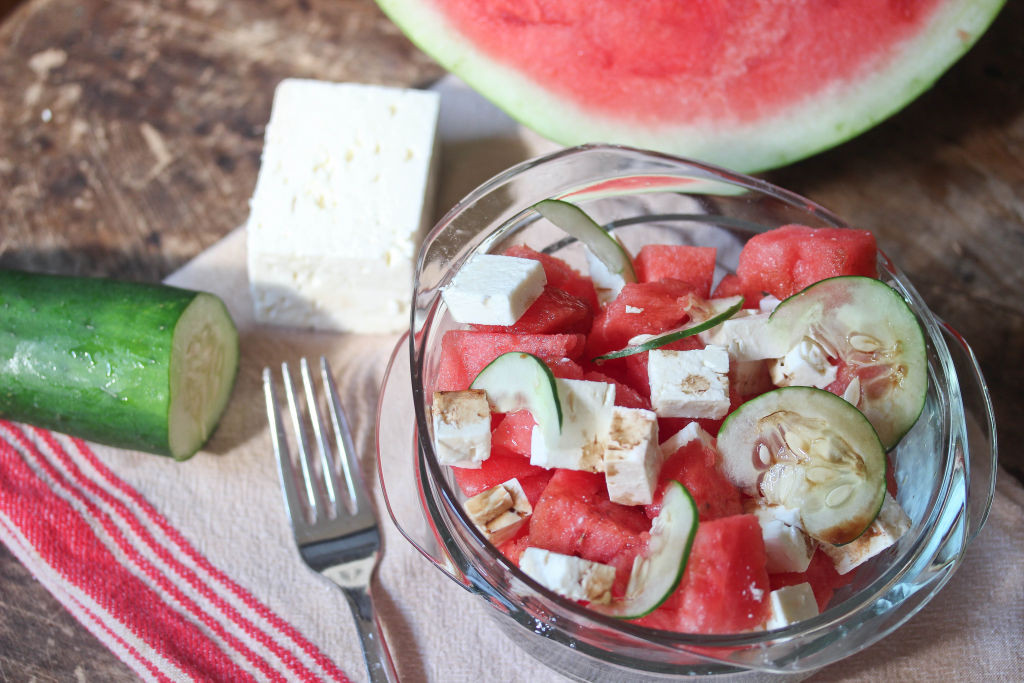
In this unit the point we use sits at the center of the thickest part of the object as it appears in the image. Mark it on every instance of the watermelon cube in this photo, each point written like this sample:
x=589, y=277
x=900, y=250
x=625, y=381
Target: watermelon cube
x=574, y=516
x=640, y=308
x=464, y=353
x=513, y=432
x=500, y=467
x=821, y=574
x=693, y=265
x=786, y=260
x=696, y=466
x=725, y=585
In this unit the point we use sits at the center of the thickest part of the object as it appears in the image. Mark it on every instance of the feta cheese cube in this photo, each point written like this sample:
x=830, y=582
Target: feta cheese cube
x=492, y=289
x=631, y=456
x=786, y=545
x=500, y=511
x=689, y=383
x=329, y=246
x=573, y=577
x=805, y=365
x=462, y=427
x=745, y=336
x=892, y=522
x=691, y=432
x=791, y=604
x=586, y=416
x=606, y=283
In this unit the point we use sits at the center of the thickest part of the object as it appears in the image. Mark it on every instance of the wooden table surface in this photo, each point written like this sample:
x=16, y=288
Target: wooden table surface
x=130, y=137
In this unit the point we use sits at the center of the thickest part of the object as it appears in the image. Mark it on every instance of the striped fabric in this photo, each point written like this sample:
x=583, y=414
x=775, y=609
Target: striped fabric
x=130, y=576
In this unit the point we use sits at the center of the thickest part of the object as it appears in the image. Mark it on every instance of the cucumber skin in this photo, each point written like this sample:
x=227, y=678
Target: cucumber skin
x=89, y=357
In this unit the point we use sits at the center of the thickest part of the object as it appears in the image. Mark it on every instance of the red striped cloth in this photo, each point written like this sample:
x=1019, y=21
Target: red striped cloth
x=131, y=577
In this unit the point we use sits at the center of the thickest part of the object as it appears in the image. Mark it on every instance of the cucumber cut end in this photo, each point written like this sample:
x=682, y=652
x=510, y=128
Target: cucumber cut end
x=204, y=362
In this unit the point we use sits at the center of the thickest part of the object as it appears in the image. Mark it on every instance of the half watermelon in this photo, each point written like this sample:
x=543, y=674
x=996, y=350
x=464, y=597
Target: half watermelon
x=749, y=86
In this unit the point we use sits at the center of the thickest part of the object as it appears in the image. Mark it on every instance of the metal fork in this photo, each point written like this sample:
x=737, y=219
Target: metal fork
x=334, y=525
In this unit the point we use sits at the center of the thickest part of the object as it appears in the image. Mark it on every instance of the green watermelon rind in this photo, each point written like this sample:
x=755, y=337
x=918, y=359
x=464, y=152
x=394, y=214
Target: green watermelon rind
x=820, y=122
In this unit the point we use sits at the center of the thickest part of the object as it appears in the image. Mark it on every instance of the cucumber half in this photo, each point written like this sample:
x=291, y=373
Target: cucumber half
x=678, y=333
x=809, y=450
x=868, y=327
x=521, y=381
x=576, y=222
x=139, y=366
x=657, y=573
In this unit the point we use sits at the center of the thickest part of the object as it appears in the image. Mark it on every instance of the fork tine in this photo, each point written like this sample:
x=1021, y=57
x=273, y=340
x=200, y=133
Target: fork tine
x=328, y=476
x=314, y=499
x=343, y=438
x=285, y=467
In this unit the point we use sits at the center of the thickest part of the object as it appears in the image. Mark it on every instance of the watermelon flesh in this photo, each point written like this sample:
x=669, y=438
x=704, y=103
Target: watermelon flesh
x=749, y=86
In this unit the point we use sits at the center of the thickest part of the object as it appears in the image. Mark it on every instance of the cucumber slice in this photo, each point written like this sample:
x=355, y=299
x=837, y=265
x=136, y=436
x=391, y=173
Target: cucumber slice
x=575, y=221
x=867, y=326
x=664, y=338
x=809, y=450
x=517, y=381
x=657, y=573
x=132, y=365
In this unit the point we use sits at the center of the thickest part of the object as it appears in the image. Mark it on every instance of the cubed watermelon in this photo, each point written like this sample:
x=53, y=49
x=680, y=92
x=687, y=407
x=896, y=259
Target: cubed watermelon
x=731, y=285
x=785, y=260
x=574, y=516
x=560, y=274
x=640, y=308
x=725, y=586
x=625, y=395
x=513, y=548
x=513, y=432
x=554, y=311
x=821, y=574
x=500, y=467
x=693, y=265
x=464, y=353
x=696, y=466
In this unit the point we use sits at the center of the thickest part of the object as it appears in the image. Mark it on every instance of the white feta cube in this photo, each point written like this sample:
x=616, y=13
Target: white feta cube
x=586, y=416
x=805, y=365
x=499, y=512
x=573, y=577
x=632, y=458
x=691, y=383
x=329, y=247
x=892, y=522
x=745, y=336
x=786, y=545
x=492, y=289
x=606, y=283
x=462, y=427
x=791, y=604
x=691, y=432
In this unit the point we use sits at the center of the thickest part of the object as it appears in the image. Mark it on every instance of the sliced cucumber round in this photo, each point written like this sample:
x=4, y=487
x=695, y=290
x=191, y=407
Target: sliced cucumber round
x=868, y=327
x=808, y=450
x=575, y=221
x=521, y=381
x=657, y=573
x=676, y=334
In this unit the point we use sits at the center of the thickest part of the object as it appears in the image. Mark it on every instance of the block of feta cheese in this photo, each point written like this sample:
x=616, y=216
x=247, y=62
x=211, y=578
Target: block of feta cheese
x=805, y=365
x=632, y=458
x=692, y=383
x=892, y=522
x=745, y=337
x=344, y=193
x=786, y=545
x=492, y=289
x=500, y=511
x=606, y=283
x=573, y=577
x=462, y=427
x=586, y=417
x=791, y=604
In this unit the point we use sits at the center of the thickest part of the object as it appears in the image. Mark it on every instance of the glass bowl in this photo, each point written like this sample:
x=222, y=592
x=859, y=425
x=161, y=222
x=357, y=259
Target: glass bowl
x=945, y=467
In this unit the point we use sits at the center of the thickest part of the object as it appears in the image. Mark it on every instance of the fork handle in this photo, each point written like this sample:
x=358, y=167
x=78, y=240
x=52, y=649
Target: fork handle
x=379, y=664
